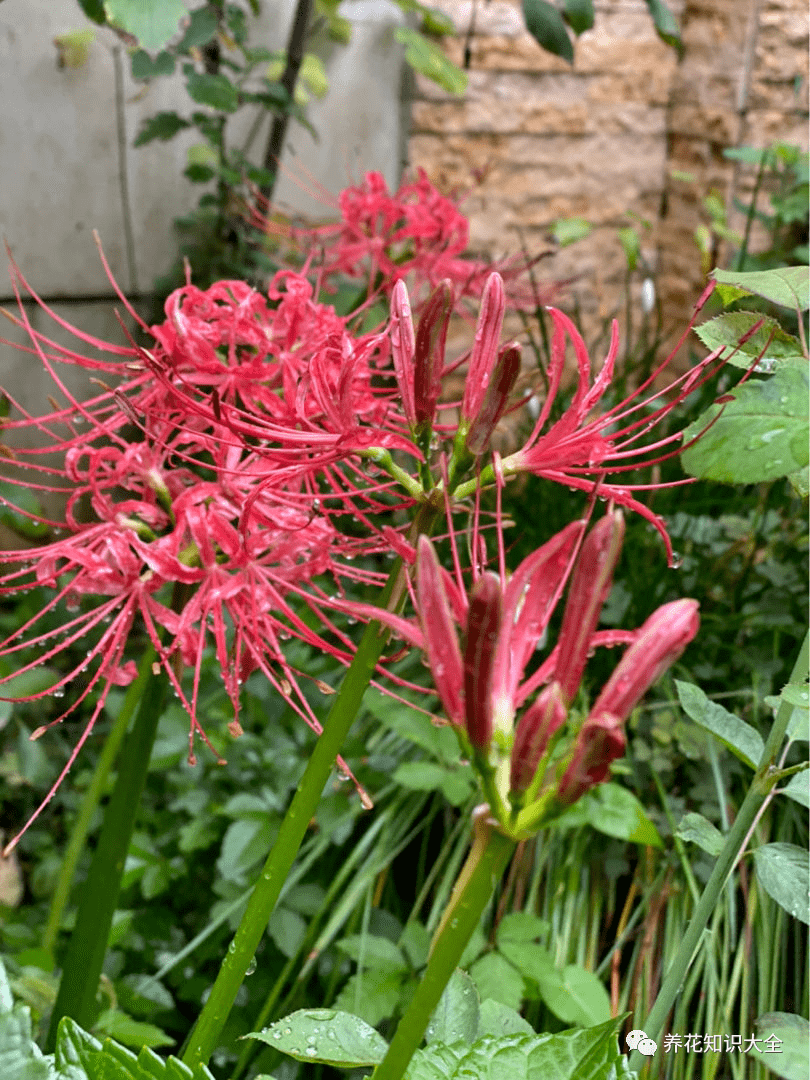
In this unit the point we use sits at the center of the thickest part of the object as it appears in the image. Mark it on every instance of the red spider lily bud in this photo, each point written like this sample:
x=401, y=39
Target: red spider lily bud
x=483, y=623
x=496, y=398
x=535, y=728
x=600, y=741
x=660, y=642
x=590, y=586
x=441, y=642
x=403, y=347
x=485, y=347
x=431, y=336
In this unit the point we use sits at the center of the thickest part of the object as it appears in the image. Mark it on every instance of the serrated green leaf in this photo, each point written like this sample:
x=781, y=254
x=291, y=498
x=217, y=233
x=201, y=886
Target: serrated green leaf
x=696, y=829
x=759, y=435
x=579, y=15
x=546, y=25
x=427, y=58
x=216, y=91
x=152, y=22
x=20, y=1058
x=740, y=738
x=770, y=342
x=615, y=811
x=456, y=1016
x=783, y=870
x=327, y=1036
x=163, y=125
x=792, y=1059
x=666, y=25
x=144, y=67
x=498, y=980
x=788, y=286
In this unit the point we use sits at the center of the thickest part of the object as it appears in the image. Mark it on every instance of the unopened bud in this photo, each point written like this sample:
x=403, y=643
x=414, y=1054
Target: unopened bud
x=660, y=642
x=441, y=641
x=485, y=347
x=483, y=624
x=590, y=585
x=403, y=347
x=535, y=728
x=600, y=741
x=495, y=399
x=431, y=337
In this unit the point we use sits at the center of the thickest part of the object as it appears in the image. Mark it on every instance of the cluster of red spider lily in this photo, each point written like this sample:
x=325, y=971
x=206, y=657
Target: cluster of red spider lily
x=222, y=464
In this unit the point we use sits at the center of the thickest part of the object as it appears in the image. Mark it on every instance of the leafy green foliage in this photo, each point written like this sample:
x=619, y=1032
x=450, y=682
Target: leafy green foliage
x=427, y=58
x=546, y=25
x=665, y=23
x=793, y=1033
x=784, y=872
x=788, y=286
x=737, y=736
x=765, y=341
x=152, y=22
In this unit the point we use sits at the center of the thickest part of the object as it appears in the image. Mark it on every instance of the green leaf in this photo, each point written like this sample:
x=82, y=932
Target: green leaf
x=287, y=929
x=94, y=9
x=798, y=696
x=770, y=342
x=578, y=14
x=547, y=27
x=201, y=29
x=216, y=91
x=144, y=67
x=665, y=23
x=455, y=784
x=495, y=1018
x=631, y=244
x=6, y=1000
x=131, y=1032
x=759, y=435
x=498, y=980
x=427, y=58
x=455, y=1018
x=20, y=1058
x=152, y=22
x=798, y=788
x=697, y=829
x=567, y=231
x=737, y=736
x=787, y=286
x=327, y=1036
x=163, y=125
x=521, y=926
x=790, y=1060
x=783, y=871
x=373, y=995
x=375, y=952
x=615, y=811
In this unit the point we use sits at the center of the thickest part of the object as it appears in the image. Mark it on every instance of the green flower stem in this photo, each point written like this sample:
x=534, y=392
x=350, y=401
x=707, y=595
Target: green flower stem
x=764, y=780
x=206, y=1032
x=485, y=865
x=99, y=896
x=92, y=797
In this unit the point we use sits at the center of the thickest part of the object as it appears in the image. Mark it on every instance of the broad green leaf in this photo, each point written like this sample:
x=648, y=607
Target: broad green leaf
x=770, y=342
x=456, y=1016
x=759, y=435
x=74, y=47
x=665, y=23
x=589, y=1054
x=697, y=829
x=216, y=91
x=373, y=952
x=797, y=695
x=327, y=1036
x=791, y=1060
x=6, y=1000
x=546, y=25
x=94, y=9
x=740, y=738
x=152, y=22
x=497, y=979
x=787, y=286
x=568, y=230
x=427, y=58
x=163, y=125
x=800, y=482
x=576, y=996
x=615, y=811
x=74, y=1045
x=783, y=871
x=201, y=29
x=455, y=784
x=144, y=67
x=373, y=995
x=798, y=788
x=415, y=943
x=131, y=1032
x=434, y=21
x=287, y=929
x=579, y=15
x=20, y=1058
x=521, y=926
x=495, y=1018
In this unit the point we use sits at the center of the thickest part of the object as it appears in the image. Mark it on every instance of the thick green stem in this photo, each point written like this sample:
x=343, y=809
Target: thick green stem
x=92, y=797
x=764, y=779
x=485, y=865
x=204, y=1037
x=99, y=897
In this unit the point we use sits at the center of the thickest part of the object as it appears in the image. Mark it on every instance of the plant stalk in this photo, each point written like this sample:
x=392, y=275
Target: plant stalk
x=88, y=943
x=488, y=858
x=764, y=779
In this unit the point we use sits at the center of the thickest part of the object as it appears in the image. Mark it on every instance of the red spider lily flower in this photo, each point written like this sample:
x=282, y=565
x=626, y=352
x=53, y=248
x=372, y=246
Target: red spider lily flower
x=599, y=743
x=540, y=721
x=585, y=452
x=504, y=374
x=485, y=348
x=589, y=588
x=659, y=643
x=428, y=361
x=483, y=626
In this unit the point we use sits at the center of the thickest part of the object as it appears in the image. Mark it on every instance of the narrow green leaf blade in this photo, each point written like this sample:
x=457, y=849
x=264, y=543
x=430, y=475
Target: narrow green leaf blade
x=783, y=871
x=326, y=1036
x=427, y=58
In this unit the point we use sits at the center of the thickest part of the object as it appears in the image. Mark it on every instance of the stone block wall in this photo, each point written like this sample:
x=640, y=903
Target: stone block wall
x=534, y=140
